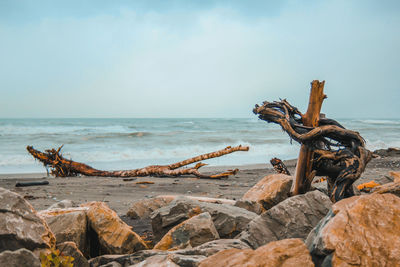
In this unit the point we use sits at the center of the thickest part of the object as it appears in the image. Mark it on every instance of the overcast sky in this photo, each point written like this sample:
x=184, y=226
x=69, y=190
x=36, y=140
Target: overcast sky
x=197, y=58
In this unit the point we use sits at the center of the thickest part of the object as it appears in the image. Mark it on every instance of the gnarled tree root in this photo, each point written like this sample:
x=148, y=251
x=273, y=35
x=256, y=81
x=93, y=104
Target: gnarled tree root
x=339, y=153
x=61, y=167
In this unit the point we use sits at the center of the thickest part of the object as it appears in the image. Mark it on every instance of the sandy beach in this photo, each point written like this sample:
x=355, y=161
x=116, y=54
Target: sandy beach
x=119, y=194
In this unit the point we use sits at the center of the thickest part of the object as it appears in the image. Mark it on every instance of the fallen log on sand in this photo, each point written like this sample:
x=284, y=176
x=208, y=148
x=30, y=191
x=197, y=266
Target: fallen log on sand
x=61, y=167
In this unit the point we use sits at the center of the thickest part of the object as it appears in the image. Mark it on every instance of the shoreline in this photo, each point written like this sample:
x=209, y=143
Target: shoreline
x=120, y=194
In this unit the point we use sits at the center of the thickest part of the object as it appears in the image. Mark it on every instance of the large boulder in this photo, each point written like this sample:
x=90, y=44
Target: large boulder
x=283, y=253
x=68, y=225
x=294, y=217
x=190, y=233
x=20, y=225
x=359, y=231
x=270, y=190
x=114, y=236
x=19, y=258
x=70, y=249
x=183, y=257
x=228, y=219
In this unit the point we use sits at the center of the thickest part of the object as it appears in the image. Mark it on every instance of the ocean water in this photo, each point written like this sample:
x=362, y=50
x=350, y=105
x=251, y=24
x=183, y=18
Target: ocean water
x=115, y=144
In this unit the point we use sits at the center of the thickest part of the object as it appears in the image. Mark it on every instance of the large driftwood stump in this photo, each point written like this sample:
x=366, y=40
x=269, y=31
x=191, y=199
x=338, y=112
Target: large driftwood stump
x=328, y=149
x=62, y=167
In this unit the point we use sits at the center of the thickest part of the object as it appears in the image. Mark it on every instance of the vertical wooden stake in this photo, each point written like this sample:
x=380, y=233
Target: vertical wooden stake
x=302, y=182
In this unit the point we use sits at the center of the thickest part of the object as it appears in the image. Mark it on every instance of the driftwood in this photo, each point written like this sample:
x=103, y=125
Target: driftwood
x=336, y=152
x=24, y=184
x=279, y=166
x=61, y=167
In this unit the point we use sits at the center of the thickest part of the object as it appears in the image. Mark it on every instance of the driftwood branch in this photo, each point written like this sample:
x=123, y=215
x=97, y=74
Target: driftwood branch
x=62, y=167
x=279, y=166
x=338, y=153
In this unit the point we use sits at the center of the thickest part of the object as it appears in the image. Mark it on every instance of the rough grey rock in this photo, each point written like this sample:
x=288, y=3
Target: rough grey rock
x=112, y=264
x=294, y=217
x=156, y=260
x=252, y=206
x=212, y=247
x=19, y=258
x=70, y=249
x=72, y=227
x=20, y=226
x=182, y=257
x=190, y=233
x=228, y=220
x=66, y=203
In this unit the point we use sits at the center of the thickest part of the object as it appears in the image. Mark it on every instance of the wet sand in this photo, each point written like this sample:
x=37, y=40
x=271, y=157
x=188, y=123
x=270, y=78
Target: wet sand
x=119, y=194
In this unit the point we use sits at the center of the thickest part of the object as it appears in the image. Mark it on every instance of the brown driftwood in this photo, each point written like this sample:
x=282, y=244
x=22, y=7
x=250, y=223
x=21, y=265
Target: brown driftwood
x=62, y=167
x=279, y=166
x=339, y=153
x=303, y=176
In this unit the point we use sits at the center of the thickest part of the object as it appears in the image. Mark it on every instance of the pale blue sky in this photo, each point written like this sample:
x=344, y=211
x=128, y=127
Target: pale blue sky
x=197, y=58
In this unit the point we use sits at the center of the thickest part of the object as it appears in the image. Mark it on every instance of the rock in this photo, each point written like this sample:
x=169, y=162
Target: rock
x=228, y=220
x=157, y=260
x=20, y=225
x=19, y=258
x=115, y=236
x=392, y=188
x=389, y=152
x=66, y=203
x=142, y=209
x=68, y=225
x=287, y=252
x=294, y=217
x=125, y=260
x=250, y=206
x=359, y=231
x=70, y=249
x=270, y=190
x=395, y=176
x=212, y=247
x=112, y=264
x=182, y=257
x=190, y=233
x=171, y=260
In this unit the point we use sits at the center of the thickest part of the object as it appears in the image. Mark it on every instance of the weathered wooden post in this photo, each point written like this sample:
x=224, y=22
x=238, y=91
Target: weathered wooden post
x=303, y=175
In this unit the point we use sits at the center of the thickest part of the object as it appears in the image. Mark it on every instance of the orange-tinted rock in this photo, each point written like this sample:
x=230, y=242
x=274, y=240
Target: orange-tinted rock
x=282, y=253
x=360, y=231
x=115, y=236
x=190, y=233
x=270, y=190
x=393, y=188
